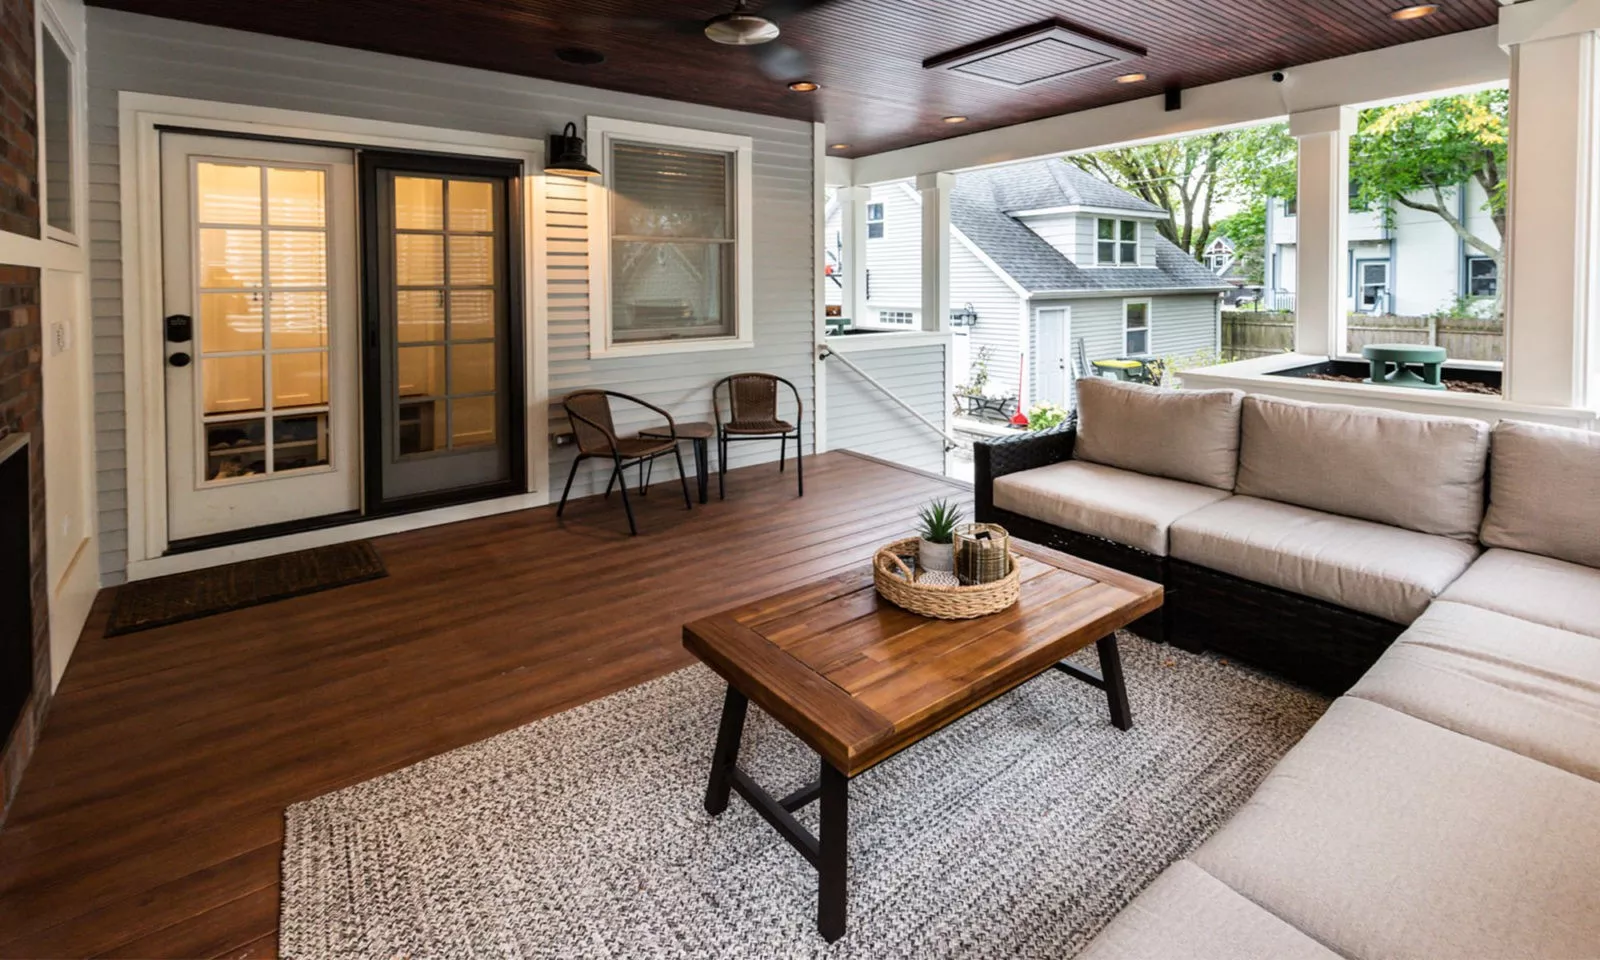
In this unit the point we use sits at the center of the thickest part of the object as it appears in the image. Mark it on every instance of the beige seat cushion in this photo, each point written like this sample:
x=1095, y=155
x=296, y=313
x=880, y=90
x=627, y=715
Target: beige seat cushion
x=1421, y=473
x=1384, y=836
x=1187, y=914
x=1371, y=567
x=1544, y=492
x=1189, y=435
x=1129, y=508
x=1525, y=585
x=1531, y=689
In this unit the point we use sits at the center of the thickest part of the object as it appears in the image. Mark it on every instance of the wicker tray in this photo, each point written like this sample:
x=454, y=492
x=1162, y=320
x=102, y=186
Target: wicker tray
x=894, y=581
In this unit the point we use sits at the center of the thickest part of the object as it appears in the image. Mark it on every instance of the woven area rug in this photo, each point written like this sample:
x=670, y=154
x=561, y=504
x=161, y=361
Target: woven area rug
x=1016, y=832
x=146, y=604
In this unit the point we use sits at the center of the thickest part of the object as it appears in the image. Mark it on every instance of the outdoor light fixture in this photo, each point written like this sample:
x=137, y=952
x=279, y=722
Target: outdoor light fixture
x=1415, y=13
x=841, y=146
x=567, y=149
x=1132, y=78
x=804, y=86
x=955, y=119
x=966, y=317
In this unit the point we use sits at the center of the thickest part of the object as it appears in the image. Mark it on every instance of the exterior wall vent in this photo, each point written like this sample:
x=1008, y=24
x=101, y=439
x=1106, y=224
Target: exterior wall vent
x=1036, y=54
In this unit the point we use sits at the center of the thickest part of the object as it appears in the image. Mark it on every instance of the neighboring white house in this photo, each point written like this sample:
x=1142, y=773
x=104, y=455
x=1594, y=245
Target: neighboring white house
x=1412, y=268
x=1048, y=257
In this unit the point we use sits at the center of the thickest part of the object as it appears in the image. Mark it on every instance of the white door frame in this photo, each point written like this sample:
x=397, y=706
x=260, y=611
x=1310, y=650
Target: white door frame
x=140, y=116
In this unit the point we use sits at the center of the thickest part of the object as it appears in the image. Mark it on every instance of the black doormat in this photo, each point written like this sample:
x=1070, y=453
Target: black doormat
x=144, y=604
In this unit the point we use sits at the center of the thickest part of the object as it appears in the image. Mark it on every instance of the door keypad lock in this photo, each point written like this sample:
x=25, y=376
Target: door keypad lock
x=180, y=328
x=179, y=359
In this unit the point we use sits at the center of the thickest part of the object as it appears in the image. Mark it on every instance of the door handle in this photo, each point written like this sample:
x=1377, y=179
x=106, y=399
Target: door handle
x=179, y=359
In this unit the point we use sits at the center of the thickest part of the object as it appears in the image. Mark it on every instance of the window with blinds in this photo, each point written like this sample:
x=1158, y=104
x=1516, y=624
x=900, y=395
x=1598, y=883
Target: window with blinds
x=673, y=243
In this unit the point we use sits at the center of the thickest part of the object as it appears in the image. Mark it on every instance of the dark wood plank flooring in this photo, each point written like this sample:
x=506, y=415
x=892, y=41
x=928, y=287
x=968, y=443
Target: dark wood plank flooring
x=150, y=822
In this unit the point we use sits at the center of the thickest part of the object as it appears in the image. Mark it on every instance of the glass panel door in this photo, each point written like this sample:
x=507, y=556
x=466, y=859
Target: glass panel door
x=447, y=416
x=260, y=332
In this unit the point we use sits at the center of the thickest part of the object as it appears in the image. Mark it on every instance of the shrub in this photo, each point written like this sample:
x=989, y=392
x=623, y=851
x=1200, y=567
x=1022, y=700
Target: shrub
x=1043, y=416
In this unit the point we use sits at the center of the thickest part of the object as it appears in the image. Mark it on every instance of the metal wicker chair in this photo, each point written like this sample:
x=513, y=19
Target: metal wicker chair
x=752, y=406
x=590, y=414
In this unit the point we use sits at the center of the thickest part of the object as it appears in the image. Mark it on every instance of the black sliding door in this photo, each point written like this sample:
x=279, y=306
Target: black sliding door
x=443, y=400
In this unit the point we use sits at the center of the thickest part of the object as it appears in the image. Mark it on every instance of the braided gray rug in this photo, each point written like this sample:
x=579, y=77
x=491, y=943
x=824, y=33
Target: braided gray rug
x=1017, y=832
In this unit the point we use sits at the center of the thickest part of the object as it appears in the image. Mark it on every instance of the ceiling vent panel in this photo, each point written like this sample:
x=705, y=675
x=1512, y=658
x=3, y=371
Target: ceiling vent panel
x=1036, y=54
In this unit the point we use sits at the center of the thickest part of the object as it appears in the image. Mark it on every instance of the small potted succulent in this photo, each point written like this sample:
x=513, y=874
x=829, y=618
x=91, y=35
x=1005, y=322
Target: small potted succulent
x=936, y=524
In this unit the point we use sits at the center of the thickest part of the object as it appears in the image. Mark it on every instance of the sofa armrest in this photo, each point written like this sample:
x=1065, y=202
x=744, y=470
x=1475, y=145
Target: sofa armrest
x=998, y=457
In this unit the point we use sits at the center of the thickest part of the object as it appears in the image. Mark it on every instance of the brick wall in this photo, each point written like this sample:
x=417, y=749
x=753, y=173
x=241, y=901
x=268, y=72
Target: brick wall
x=19, y=121
x=21, y=379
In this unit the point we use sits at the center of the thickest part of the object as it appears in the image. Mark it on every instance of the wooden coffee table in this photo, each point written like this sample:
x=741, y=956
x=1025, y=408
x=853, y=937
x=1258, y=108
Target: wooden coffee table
x=859, y=679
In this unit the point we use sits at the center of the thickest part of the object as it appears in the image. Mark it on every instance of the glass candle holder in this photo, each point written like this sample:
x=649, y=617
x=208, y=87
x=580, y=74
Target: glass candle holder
x=983, y=553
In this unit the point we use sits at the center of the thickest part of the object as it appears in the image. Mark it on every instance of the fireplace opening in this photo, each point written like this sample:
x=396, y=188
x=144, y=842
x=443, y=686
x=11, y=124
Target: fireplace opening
x=16, y=595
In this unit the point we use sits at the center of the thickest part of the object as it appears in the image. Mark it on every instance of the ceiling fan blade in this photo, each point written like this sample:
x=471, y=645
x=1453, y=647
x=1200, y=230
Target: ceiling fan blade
x=782, y=62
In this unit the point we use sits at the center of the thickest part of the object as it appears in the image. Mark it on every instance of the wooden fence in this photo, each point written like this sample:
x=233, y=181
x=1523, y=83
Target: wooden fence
x=1247, y=334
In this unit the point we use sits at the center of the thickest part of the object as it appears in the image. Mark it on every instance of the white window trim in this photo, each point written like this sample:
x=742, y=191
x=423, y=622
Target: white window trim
x=601, y=131
x=49, y=22
x=1138, y=241
x=1149, y=326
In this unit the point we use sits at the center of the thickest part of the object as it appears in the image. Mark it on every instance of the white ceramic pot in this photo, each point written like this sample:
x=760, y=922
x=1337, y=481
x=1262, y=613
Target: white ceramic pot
x=939, y=557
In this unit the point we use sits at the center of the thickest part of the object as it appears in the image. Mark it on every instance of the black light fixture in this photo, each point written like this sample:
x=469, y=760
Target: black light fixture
x=567, y=149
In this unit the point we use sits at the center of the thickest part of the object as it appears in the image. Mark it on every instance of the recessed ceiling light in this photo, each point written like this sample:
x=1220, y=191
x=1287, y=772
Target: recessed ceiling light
x=1132, y=78
x=955, y=119
x=841, y=146
x=1415, y=13
x=804, y=86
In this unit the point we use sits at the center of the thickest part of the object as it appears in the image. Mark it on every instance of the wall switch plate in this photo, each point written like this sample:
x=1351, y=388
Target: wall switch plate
x=58, y=338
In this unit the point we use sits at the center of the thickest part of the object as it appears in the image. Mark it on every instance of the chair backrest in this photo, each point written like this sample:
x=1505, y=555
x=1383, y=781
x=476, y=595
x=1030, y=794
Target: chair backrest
x=589, y=411
x=753, y=397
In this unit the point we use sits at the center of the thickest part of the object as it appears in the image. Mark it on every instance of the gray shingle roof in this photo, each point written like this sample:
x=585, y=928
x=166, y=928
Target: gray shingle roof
x=983, y=200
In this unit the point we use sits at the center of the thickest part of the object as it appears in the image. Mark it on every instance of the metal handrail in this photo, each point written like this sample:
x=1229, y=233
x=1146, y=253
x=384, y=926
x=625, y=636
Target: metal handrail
x=950, y=440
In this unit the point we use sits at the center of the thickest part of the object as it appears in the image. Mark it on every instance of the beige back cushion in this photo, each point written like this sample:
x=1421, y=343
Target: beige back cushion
x=1417, y=472
x=1190, y=435
x=1544, y=492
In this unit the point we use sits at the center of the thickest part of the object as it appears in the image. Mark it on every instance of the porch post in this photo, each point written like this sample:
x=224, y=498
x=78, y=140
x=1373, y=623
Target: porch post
x=1552, y=353
x=935, y=190
x=1324, y=200
x=853, y=227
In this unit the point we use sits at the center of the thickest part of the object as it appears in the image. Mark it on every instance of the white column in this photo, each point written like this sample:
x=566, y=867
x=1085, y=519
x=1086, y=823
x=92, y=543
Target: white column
x=853, y=227
x=935, y=190
x=1321, y=255
x=1552, y=255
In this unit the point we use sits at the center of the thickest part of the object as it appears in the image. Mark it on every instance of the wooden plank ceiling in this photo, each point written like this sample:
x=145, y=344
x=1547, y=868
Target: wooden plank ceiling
x=867, y=54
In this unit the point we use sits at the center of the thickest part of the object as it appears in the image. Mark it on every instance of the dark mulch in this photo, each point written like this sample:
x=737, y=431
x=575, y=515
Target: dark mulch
x=1454, y=386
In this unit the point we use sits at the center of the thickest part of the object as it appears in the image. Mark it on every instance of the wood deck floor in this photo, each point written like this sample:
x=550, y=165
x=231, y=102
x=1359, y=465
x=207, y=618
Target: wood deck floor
x=150, y=821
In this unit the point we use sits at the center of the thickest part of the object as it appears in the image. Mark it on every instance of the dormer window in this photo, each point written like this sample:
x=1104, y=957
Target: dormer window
x=1118, y=243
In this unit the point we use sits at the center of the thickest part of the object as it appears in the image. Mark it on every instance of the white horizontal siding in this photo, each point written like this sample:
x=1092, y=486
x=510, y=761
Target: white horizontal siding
x=145, y=54
x=999, y=325
x=1182, y=325
x=862, y=419
x=894, y=260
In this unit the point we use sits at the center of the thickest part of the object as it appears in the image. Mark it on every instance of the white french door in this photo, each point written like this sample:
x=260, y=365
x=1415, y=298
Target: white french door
x=261, y=333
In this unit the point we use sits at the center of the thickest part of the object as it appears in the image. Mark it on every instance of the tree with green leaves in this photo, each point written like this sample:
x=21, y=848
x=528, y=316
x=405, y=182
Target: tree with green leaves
x=1190, y=176
x=1417, y=154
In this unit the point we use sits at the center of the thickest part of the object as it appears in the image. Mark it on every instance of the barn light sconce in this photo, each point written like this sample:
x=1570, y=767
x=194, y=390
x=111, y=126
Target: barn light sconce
x=566, y=148
x=964, y=318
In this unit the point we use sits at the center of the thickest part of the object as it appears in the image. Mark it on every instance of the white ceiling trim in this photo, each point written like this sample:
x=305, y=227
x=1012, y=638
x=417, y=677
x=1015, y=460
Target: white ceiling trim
x=1457, y=61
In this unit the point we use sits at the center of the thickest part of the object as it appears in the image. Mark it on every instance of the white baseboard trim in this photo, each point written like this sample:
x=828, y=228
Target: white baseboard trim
x=360, y=530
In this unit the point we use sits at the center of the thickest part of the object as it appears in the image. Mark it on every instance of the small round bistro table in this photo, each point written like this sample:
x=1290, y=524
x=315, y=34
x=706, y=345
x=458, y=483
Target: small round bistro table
x=699, y=432
x=1415, y=365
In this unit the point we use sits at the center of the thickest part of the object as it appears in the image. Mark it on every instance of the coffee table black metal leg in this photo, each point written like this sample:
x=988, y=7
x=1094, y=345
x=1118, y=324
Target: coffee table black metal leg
x=701, y=475
x=833, y=861
x=726, y=754
x=1116, y=688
